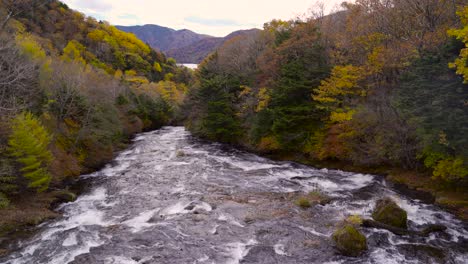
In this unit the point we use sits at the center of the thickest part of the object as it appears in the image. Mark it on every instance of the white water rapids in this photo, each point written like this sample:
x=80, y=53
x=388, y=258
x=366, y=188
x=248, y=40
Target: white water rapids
x=171, y=198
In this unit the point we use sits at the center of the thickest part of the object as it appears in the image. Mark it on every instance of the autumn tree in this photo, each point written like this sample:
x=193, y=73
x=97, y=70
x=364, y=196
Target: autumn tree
x=460, y=64
x=14, y=8
x=18, y=79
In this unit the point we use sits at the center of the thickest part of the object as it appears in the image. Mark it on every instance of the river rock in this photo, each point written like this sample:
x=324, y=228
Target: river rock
x=423, y=253
x=349, y=241
x=64, y=196
x=388, y=212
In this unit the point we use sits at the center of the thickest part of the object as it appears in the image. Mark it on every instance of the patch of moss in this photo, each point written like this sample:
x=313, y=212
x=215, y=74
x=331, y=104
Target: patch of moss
x=303, y=202
x=355, y=220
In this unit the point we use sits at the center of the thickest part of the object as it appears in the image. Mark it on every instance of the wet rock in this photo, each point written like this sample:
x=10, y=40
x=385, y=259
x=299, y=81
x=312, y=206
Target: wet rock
x=83, y=258
x=261, y=254
x=190, y=207
x=403, y=231
x=301, y=178
x=395, y=230
x=388, y=212
x=433, y=228
x=349, y=241
x=378, y=239
x=4, y=252
x=423, y=253
x=64, y=196
x=200, y=217
x=311, y=243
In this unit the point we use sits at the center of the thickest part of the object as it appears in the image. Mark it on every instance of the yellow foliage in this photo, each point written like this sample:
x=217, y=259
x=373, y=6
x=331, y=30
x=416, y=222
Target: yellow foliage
x=136, y=79
x=339, y=117
x=169, y=91
x=450, y=169
x=343, y=83
x=245, y=90
x=118, y=74
x=74, y=52
x=168, y=77
x=157, y=67
x=263, y=99
x=460, y=64
x=97, y=35
x=375, y=60
x=30, y=47
x=268, y=143
x=130, y=73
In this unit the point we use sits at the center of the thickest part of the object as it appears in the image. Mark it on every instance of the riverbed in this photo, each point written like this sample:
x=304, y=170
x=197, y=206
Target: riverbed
x=172, y=198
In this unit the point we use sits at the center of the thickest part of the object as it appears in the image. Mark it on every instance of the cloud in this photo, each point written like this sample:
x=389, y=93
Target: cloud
x=92, y=5
x=213, y=17
x=130, y=18
x=211, y=21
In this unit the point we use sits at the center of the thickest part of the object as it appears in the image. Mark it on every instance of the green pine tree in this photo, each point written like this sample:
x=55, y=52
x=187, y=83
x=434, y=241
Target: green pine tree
x=7, y=182
x=28, y=145
x=218, y=119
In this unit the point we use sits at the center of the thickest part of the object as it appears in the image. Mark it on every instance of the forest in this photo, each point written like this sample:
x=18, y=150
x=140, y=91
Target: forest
x=73, y=90
x=379, y=86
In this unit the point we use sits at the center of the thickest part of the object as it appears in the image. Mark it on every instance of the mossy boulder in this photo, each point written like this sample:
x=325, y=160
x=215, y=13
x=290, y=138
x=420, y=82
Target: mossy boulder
x=349, y=241
x=388, y=212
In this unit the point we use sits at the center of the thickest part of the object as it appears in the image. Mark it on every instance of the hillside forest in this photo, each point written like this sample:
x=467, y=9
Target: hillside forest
x=376, y=86
x=73, y=90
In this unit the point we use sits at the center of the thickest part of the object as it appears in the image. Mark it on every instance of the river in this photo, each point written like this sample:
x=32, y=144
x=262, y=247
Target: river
x=171, y=198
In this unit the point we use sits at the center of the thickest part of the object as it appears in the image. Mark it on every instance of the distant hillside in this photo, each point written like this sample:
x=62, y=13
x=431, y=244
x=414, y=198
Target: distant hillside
x=196, y=52
x=184, y=45
x=163, y=38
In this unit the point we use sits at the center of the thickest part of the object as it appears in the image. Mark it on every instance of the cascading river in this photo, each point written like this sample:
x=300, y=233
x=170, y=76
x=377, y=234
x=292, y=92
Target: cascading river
x=172, y=198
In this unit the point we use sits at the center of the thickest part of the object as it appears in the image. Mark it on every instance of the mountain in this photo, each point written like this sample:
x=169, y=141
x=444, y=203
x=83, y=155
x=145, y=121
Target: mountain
x=163, y=38
x=183, y=45
x=197, y=51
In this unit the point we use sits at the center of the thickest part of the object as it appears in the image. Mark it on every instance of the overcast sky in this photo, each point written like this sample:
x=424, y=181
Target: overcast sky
x=213, y=17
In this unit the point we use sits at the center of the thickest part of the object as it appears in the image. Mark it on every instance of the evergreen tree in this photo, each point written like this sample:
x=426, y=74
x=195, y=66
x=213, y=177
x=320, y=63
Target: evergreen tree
x=215, y=96
x=28, y=145
x=303, y=65
x=7, y=182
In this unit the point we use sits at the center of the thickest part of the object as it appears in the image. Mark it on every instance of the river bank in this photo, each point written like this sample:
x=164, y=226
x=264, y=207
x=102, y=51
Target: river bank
x=27, y=211
x=414, y=184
